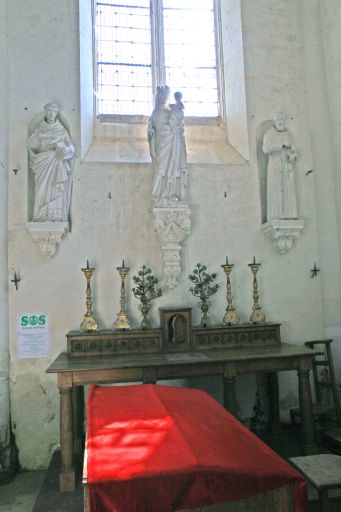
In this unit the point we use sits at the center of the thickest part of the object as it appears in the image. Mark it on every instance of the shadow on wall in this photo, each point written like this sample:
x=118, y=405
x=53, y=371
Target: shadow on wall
x=262, y=163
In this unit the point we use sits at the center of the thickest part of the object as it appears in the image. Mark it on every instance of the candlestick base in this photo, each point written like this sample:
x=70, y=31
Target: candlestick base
x=89, y=324
x=257, y=317
x=231, y=317
x=122, y=323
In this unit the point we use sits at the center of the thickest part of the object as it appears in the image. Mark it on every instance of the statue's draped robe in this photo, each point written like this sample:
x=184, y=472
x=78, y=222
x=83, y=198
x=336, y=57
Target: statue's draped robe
x=281, y=193
x=168, y=151
x=52, y=174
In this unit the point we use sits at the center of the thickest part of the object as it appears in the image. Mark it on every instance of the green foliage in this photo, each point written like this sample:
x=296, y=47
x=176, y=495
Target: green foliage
x=203, y=288
x=145, y=285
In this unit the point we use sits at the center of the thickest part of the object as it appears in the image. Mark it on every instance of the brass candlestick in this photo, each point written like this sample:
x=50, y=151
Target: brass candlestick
x=231, y=317
x=89, y=323
x=257, y=316
x=122, y=321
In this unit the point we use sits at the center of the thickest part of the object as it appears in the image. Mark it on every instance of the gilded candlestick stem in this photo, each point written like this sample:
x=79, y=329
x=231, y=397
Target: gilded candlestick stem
x=89, y=323
x=231, y=317
x=122, y=321
x=257, y=315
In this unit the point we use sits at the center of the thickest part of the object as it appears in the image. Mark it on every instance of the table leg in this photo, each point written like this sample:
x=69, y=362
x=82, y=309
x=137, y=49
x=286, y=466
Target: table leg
x=306, y=408
x=78, y=419
x=230, y=398
x=324, y=500
x=273, y=394
x=67, y=473
x=149, y=375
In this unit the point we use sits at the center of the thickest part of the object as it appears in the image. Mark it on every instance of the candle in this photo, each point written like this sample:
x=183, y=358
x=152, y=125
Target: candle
x=254, y=260
x=227, y=260
x=87, y=263
x=123, y=264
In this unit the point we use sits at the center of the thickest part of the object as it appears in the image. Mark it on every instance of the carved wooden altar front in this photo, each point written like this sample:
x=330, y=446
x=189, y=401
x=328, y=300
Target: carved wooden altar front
x=176, y=335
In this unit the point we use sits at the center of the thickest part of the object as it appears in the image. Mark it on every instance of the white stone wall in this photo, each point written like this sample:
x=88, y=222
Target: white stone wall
x=275, y=81
x=330, y=15
x=44, y=66
x=4, y=349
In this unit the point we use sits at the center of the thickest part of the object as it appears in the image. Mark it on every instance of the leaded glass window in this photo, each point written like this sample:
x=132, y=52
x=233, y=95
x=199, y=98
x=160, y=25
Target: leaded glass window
x=144, y=43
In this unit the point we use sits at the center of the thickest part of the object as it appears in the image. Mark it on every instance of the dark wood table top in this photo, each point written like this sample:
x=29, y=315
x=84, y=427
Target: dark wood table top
x=65, y=363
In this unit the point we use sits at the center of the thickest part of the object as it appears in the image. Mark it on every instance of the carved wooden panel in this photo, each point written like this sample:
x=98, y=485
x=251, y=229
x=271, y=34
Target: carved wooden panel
x=242, y=336
x=110, y=342
x=176, y=335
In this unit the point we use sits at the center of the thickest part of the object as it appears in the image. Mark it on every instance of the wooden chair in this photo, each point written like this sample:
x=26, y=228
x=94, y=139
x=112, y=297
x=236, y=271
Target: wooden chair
x=327, y=405
x=323, y=472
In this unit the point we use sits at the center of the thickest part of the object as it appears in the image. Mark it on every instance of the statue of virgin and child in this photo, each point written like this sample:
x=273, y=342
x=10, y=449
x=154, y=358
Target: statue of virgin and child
x=168, y=150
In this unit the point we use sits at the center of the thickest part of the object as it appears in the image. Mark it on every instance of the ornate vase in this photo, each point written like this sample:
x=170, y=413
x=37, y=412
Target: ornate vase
x=205, y=319
x=145, y=323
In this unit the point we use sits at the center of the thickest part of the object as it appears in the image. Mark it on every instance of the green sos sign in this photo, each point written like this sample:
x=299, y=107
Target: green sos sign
x=32, y=320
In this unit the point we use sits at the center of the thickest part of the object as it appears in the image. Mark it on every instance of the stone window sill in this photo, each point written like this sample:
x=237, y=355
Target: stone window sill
x=122, y=142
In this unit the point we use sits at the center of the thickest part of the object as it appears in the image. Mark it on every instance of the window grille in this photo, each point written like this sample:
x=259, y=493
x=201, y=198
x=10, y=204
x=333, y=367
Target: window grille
x=144, y=43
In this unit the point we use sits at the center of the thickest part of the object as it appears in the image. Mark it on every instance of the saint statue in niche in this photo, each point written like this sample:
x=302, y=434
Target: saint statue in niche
x=281, y=193
x=51, y=153
x=168, y=150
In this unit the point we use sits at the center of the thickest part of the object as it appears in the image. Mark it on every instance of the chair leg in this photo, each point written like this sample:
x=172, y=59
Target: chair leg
x=323, y=500
x=333, y=383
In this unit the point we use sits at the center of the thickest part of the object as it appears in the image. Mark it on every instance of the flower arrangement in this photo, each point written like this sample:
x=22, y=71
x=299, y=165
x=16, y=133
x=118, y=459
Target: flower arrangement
x=203, y=289
x=145, y=291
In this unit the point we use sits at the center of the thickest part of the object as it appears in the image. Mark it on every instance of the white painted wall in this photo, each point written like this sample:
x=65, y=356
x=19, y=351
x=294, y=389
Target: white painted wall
x=44, y=66
x=4, y=349
x=330, y=16
x=234, y=72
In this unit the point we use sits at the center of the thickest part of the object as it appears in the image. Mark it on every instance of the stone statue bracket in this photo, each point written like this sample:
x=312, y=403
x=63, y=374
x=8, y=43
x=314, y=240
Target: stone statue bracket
x=48, y=235
x=172, y=225
x=283, y=232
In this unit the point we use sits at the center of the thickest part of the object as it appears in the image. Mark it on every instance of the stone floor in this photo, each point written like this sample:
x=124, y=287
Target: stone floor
x=37, y=491
x=21, y=495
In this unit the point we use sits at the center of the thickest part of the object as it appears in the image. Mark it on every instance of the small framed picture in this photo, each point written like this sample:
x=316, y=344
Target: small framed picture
x=176, y=326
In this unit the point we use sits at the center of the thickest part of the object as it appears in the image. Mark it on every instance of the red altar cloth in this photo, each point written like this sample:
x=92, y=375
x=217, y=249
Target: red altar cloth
x=160, y=449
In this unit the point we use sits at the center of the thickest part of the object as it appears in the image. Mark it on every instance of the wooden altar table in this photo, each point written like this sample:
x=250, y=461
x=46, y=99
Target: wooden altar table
x=241, y=350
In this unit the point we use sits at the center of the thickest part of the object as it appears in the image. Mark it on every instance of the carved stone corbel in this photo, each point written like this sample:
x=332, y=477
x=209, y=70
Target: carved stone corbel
x=283, y=232
x=172, y=225
x=48, y=235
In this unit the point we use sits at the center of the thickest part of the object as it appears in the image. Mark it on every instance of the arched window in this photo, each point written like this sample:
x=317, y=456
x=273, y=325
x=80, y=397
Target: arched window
x=144, y=43
x=187, y=44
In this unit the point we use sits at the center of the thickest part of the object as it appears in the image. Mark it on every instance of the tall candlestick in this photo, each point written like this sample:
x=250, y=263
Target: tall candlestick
x=122, y=321
x=231, y=317
x=257, y=315
x=89, y=323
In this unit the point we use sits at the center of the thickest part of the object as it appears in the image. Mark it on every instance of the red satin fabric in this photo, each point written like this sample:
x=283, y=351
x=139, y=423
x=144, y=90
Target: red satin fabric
x=154, y=448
